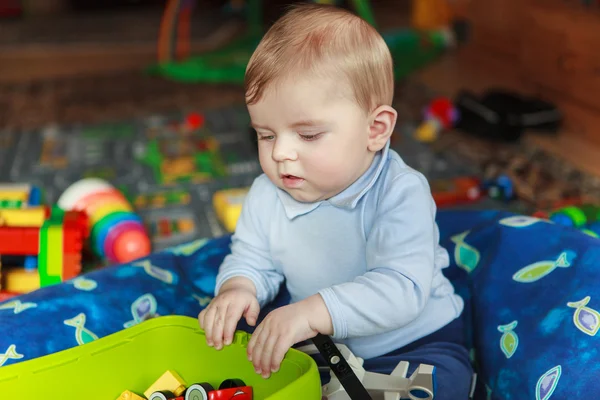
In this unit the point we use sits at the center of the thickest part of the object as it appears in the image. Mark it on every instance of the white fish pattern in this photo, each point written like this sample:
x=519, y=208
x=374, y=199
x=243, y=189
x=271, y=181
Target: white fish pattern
x=17, y=306
x=10, y=354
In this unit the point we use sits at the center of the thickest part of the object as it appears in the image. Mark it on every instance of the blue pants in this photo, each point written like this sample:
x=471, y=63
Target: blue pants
x=443, y=349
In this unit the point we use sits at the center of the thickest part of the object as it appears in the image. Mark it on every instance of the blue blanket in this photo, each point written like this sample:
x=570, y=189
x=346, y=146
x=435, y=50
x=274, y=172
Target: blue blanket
x=529, y=287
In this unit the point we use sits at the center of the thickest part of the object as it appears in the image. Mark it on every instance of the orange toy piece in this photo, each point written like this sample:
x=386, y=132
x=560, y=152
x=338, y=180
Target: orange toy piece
x=430, y=14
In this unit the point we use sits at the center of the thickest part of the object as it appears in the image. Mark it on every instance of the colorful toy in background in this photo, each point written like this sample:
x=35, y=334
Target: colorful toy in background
x=499, y=188
x=190, y=156
x=117, y=232
x=228, y=206
x=39, y=245
x=170, y=386
x=460, y=190
x=439, y=115
x=430, y=14
x=585, y=217
x=411, y=48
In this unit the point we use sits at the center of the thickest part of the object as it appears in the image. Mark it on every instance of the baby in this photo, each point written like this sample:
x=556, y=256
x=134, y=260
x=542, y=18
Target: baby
x=337, y=214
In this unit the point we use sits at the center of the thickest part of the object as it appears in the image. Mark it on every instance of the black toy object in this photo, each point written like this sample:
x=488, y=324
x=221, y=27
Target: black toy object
x=502, y=115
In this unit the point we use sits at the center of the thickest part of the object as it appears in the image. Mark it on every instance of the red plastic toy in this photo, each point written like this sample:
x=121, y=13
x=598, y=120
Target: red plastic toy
x=456, y=191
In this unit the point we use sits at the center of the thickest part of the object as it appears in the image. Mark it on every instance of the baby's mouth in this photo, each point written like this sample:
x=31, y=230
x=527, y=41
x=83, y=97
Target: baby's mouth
x=287, y=176
x=291, y=181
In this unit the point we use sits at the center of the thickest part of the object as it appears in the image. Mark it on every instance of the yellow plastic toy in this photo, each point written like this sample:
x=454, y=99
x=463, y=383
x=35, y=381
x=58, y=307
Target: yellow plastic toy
x=129, y=395
x=168, y=381
x=228, y=206
x=430, y=14
x=24, y=217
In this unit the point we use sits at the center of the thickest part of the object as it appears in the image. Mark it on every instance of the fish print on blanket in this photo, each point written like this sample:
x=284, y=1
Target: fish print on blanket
x=509, y=340
x=82, y=334
x=17, y=306
x=586, y=319
x=547, y=383
x=520, y=221
x=466, y=256
x=540, y=269
x=187, y=249
x=85, y=284
x=156, y=272
x=10, y=354
x=143, y=308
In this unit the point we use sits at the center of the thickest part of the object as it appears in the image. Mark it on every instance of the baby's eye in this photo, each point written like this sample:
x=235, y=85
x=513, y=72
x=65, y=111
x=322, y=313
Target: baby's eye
x=310, y=137
x=266, y=137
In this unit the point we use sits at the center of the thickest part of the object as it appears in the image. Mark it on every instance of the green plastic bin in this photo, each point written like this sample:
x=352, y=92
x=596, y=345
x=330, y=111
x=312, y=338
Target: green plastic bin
x=135, y=357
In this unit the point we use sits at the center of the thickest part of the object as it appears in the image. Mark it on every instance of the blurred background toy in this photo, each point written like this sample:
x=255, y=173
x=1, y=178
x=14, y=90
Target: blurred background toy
x=585, y=217
x=117, y=232
x=39, y=245
x=439, y=115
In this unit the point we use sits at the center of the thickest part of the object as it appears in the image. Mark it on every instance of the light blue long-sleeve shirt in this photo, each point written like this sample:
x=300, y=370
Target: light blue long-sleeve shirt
x=372, y=252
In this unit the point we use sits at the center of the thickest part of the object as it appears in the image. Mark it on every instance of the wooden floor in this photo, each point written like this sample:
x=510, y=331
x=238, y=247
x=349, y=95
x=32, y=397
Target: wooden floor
x=453, y=72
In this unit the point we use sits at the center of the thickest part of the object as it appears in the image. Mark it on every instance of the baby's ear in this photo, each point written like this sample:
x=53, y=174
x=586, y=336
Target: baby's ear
x=381, y=126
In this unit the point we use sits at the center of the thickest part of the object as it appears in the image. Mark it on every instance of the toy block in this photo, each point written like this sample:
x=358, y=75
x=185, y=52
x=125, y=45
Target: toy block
x=129, y=395
x=170, y=381
x=20, y=280
x=51, y=252
x=228, y=206
x=19, y=241
x=24, y=217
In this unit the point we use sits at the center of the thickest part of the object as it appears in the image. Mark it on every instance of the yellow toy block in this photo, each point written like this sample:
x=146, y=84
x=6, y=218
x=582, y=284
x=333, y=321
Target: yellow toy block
x=228, y=206
x=24, y=217
x=14, y=191
x=168, y=381
x=129, y=395
x=20, y=280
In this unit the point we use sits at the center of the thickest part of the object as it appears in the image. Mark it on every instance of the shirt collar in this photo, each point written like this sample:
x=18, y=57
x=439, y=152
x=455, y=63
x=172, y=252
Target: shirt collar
x=348, y=198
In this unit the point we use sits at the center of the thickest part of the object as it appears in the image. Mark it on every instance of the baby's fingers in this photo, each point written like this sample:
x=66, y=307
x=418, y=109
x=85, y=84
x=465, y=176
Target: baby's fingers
x=208, y=319
x=232, y=317
x=281, y=348
x=218, y=326
x=267, y=354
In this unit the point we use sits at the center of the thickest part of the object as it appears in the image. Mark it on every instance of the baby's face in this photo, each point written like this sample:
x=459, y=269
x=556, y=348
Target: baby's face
x=312, y=138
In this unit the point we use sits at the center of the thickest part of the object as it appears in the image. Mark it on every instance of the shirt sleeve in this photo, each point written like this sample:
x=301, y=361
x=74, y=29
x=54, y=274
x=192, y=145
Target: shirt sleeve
x=250, y=254
x=400, y=257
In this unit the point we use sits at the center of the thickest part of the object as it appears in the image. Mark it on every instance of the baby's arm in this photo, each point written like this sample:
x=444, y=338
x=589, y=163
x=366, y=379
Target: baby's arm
x=247, y=279
x=400, y=257
x=250, y=254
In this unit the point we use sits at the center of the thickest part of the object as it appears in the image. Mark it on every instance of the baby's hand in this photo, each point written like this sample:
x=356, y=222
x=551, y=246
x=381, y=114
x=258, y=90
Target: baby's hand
x=279, y=331
x=220, y=318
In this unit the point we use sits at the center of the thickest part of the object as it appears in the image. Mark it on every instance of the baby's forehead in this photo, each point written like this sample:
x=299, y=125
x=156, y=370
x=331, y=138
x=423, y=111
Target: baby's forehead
x=309, y=88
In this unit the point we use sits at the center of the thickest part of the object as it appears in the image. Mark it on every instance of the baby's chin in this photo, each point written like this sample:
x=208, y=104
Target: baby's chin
x=306, y=196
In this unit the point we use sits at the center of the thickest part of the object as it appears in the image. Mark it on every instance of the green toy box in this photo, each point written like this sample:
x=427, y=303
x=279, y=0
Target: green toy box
x=135, y=357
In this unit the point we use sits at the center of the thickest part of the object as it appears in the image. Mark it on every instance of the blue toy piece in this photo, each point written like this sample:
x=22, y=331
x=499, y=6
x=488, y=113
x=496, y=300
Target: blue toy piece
x=500, y=188
x=35, y=196
x=30, y=263
x=561, y=219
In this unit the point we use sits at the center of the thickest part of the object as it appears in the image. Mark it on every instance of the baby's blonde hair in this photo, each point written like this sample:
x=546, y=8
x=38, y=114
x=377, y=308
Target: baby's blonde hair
x=326, y=41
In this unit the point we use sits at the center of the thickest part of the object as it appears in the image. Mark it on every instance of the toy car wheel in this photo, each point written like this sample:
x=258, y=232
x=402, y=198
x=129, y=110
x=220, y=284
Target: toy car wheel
x=198, y=391
x=161, y=395
x=231, y=383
